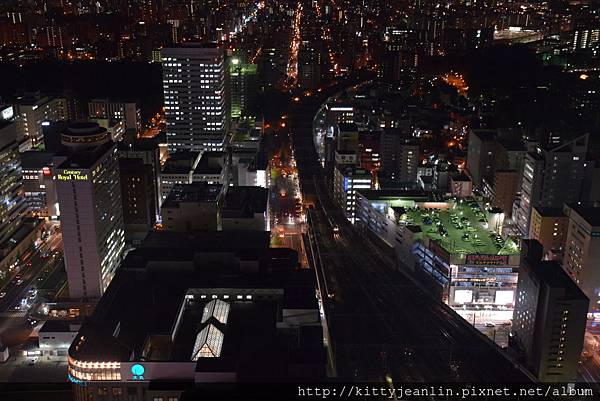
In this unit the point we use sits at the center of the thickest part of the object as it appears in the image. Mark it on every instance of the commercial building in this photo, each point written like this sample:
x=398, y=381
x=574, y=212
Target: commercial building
x=503, y=185
x=399, y=156
x=346, y=158
x=347, y=137
x=52, y=135
x=549, y=318
x=138, y=196
x=246, y=208
x=505, y=188
x=346, y=181
x=213, y=168
x=147, y=150
x=452, y=244
x=243, y=83
x=13, y=206
x=15, y=235
x=191, y=207
x=552, y=176
x=115, y=111
x=480, y=156
x=336, y=113
x=89, y=196
x=178, y=169
x=56, y=336
x=585, y=33
x=196, y=98
x=249, y=167
x=32, y=111
x=39, y=184
x=549, y=227
x=461, y=185
x=582, y=251
x=235, y=311
x=369, y=150
x=309, y=67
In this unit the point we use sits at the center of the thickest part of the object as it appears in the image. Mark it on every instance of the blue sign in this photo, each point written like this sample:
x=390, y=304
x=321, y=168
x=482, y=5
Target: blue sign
x=137, y=371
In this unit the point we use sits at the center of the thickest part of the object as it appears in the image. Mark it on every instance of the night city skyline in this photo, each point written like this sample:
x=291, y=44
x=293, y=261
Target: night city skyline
x=307, y=199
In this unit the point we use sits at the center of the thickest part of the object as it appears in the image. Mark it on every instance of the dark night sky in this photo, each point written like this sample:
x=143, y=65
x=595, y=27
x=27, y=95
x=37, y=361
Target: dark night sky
x=142, y=81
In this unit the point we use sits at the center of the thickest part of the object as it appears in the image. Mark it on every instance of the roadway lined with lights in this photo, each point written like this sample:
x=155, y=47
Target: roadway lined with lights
x=292, y=67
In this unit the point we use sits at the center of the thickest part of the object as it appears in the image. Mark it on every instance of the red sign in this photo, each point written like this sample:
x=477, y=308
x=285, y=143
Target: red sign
x=46, y=171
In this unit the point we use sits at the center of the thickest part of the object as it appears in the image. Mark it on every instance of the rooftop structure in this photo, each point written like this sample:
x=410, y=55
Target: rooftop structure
x=245, y=201
x=246, y=208
x=461, y=228
x=192, y=193
x=208, y=322
x=193, y=207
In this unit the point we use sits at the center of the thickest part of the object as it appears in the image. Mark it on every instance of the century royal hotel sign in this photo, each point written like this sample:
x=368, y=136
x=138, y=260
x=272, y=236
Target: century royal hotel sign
x=72, y=175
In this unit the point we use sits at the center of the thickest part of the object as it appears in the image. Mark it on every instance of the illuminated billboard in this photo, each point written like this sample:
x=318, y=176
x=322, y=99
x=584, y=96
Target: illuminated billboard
x=504, y=297
x=487, y=260
x=463, y=296
x=7, y=113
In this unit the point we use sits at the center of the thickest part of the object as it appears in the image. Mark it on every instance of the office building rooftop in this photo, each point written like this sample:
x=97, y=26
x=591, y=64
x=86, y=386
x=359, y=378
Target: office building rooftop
x=245, y=201
x=35, y=159
x=84, y=158
x=211, y=162
x=193, y=193
x=183, y=305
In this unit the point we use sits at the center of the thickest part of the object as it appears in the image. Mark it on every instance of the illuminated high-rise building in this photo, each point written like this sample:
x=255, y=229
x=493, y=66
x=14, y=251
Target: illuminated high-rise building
x=32, y=111
x=12, y=201
x=549, y=318
x=196, y=106
x=552, y=176
x=242, y=78
x=89, y=196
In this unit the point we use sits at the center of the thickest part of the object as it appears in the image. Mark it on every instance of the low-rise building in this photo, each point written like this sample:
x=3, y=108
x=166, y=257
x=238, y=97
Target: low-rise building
x=39, y=185
x=212, y=168
x=55, y=336
x=191, y=207
x=461, y=185
x=246, y=208
x=178, y=169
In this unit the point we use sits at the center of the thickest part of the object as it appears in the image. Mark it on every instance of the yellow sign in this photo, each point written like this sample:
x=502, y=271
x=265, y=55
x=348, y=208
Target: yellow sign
x=72, y=175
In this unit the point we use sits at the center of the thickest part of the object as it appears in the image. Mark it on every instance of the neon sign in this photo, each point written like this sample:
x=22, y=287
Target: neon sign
x=71, y=175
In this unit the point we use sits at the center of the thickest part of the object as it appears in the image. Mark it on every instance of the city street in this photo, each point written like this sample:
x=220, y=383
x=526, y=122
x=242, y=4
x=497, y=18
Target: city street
x=37, y=281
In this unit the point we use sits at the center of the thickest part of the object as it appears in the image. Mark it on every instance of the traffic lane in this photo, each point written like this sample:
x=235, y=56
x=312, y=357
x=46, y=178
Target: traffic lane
x=14, y=293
